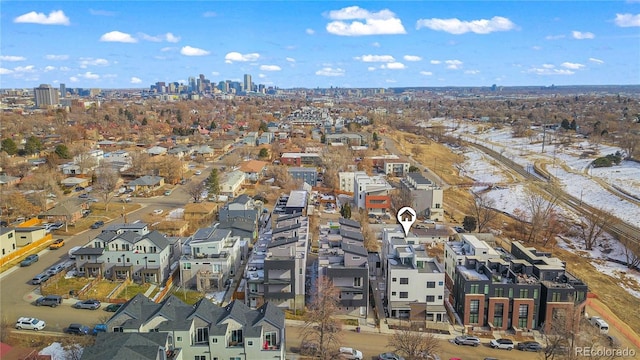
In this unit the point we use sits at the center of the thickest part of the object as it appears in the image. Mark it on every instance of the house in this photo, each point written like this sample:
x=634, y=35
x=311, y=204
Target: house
x=156, y=151
x=253, y=169
x=7, y=240
x=345, y=138
x=68, y=211
x=7, y=180
x=250, y=139
x=29, y=234
x=205, y=151
x=456, y=251
x=265, y=138
x=372, y=193
x=210, y=257
x=146, y=183
x=205, y=331
x=231, y=185
x=73, y=182
x=242, y=207
x=426, y=197
x=299, y=159
x=395, y=167
x=139, y=346
x=124, y=251
x=305, y=174
x=245, y=229
x=199, y=211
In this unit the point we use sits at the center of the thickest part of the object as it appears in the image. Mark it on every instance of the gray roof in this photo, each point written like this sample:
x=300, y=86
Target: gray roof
x=210, y=234
x=280, y=229
x=349, y=223
x=89, y=251
x=146, y=180
x=138, y=346
x=354, y=249
x=351, y=235
x=242, y=199
x=288, y=216
x=281, y=241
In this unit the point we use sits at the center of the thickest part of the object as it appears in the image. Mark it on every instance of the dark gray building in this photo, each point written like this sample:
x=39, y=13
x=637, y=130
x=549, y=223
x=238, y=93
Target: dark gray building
x=305, y=174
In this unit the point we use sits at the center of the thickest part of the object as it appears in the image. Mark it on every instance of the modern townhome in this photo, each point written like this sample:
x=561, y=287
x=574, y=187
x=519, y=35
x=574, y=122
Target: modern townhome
x=243, y=207
x=205, y=331
x=139, y=346
x=276, y=272
x=455, y=253
x=124, y=251
x=425, y=197
x=210, y=257
x=415, y=281
x=523, y=290
x=343, y=259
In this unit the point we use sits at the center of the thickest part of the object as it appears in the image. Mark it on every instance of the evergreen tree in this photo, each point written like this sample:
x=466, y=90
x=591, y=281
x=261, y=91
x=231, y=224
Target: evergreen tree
x=33, y=146
x=469, y=223
x=9, y=146
x=213, y=184
x=565, y=124
x=345, y=211
x=63, y=151
x=263, y=126
x=263, y=153
x=573, y=126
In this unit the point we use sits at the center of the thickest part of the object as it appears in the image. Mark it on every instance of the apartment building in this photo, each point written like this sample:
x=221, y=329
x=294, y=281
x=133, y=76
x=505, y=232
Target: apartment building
x=205, y=331
x=343, y=259
x=455, y=253
x=396, y=167
x=371, y=193
x=425, y=197
x=231, y=185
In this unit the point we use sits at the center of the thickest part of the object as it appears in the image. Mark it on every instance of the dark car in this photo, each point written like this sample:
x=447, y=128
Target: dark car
x=113, y=307
x=29, y=260
x=90, y=304
x=49, y=300
x=97, y=224
x=77, y=329
x=529, y=346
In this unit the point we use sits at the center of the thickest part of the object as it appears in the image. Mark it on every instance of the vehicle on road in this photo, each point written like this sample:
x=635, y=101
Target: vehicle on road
x=126, y=200
x=56, y=225
x=308, y=348
x=198, y=172
x=29, y=260
x=90, y=304
x=55, y=269
x=167, y=192
x=98, y=224
x=505, y=344
x=57, y=244
x=467, y=340
x=157, y=211
x=40, y=278
x=350, y=353
x=77, y=329
x=389, y=356
x=28, y=323
x=529, y=346
x=113, y=307
x=49, y=300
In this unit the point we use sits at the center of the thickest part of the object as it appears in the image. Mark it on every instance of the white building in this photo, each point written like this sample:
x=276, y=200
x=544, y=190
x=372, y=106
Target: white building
x=232, y=183
x=469, y=246
x=369, y=185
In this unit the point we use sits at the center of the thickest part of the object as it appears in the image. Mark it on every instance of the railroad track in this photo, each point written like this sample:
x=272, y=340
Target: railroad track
x=541, y=178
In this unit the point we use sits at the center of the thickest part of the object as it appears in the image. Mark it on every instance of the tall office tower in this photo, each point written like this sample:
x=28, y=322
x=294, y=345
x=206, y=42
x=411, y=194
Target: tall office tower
x=192, y=84
x=46, y=95
x=248, y=86
x=201, y=81
x=63, y=91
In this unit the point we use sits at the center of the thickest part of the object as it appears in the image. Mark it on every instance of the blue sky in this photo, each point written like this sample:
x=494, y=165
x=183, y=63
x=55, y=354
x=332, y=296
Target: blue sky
x=124, y=44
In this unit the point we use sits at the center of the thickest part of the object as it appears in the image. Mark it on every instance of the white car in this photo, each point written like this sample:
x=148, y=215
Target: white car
x=27, y=323
x=350, y=353
x=198, y=172
x=157, y=211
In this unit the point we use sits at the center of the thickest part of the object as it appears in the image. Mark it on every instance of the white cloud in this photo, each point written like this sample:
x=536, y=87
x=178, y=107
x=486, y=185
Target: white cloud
x=549, y=71
x=135, y=80
x=12, y=58
x=329, y=71
x=554, y=37
x=627, y=20
x=536, y=47
x=24, y=69
x=210, y=14
x=582, y=35
x=73, y=79
x=236, y=56
x=54, y=18
x=102, y=12
x=472, y=72
x=572, y=66
x=382, y=22
x=548, y=66
x=89, y=75
x=371, y=68
x=4, y=71
x=270, y=68
x=390, y=81
x=167, y=48
x=85, y=62
x=57, y=57
x=435, y=62
x=64, y=68
x=117, y=36
x=457, y=27
x=49, y=68
x=376, y=44
x=215, y=73
x=310, y=31
x=395, y=66
x=262, y=76
x=412, y=58
x=192, y=51
x=290, y=59
x=453, y=64
x=426, y=73
x=375, y=58
x=597, y=61
x=169, y=37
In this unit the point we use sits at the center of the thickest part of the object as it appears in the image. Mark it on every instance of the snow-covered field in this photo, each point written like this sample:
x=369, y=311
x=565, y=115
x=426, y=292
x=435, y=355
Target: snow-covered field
x=578, y=181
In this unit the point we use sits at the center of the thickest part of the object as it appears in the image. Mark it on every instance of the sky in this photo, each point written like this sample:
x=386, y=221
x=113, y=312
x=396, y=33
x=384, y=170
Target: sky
x=375, y=44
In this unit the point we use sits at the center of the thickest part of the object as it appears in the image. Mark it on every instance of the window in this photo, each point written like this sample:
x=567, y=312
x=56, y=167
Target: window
x=404, y=295
x=200, y=357
x=498, y=292
x=249, y=342
x=187, y=266
x=214, y=340
x=236, y=336
x=498, y=310
x=473, y=289
x=178, y=338
x=431, y=284
x=393, y=293
x=440, y=283
x=580, y=295
x=535, y=293
x=394, y=280
x=202, y=335
x=235, y=358
x=474, y=311
x=404, y=281
x=431, y=298
x=271, y=338
x=555, y=296
x=524, y=293
x=523, y=315
x=357, y=282
x=510, y=293
x=439, y=297
x=486, y=289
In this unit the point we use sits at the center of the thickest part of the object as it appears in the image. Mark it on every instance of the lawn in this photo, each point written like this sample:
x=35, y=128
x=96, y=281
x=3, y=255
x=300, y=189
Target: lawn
x=101, y=289
x=132, y=290
x=188, y=296
x=64, y=286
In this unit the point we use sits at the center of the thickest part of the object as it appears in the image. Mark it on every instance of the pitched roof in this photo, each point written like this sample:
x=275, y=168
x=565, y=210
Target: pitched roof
x=199, y=208
x=253, y=166
x=349, y=223
x=146, y=180
x=139, y=346
x=354, y=249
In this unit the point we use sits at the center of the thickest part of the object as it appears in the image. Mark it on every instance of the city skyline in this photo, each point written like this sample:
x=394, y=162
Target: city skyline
x=312, y=44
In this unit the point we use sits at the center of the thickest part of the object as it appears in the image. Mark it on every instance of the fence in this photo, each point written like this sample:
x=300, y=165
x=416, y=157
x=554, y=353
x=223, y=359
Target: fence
x=24, y=250
x=167, y=286
x=613, y=320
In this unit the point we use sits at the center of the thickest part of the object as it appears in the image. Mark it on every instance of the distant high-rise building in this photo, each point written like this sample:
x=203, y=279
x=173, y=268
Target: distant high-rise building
x=201, y=81
x=46, y=95
x=63, y=91
x=248, y=86
x=192, y=84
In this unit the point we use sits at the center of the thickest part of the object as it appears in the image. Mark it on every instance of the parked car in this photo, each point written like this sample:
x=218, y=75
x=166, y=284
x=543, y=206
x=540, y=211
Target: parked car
x=29, y=260
x=40, y=278
x=126, y=200
x=308, y=348
x=57, y=225
x=350, y=353
x=157, y=211
x=57, y=244
x=505, y=344
x=467, y=340
x=98, y=329
x=389, y=356
x=86, y=212
x=113, y=307
x=97, y=224
x=49, y=300
x=167, y=192
x=613, y=341
x=83, y=196
x=198, y=172
x=529, y=346
x=90, y=304
x=55, y=269
x=27, y=323
x=77, y=329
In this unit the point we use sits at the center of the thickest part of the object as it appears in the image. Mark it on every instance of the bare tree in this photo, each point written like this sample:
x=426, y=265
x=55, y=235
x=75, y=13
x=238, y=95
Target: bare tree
x=540, y=209
x=321, y=328
x=195, y=190
x=107, y=180
x=370, y=240
x=414, y=344
x=631, y=251
x=43, y=182
x=482, y=208
x=85, y=162
x=232, y=159
x=139, y=163
x=592, y=227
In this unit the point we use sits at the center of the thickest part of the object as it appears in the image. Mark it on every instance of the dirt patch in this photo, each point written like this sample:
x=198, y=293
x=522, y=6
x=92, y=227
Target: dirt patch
x=63, y=286
x=101, y=289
